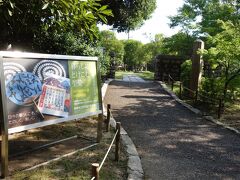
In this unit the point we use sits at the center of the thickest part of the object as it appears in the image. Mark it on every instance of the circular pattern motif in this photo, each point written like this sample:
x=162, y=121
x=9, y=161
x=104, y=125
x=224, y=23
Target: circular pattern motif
x=23, y=88
x=48, y=66
x=11, y=68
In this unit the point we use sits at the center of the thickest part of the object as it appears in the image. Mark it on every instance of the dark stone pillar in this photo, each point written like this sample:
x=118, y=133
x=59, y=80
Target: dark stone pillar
x=197, y=65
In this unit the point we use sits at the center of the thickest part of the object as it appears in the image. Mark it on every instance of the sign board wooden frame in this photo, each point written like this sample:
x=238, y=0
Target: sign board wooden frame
x=23, y=90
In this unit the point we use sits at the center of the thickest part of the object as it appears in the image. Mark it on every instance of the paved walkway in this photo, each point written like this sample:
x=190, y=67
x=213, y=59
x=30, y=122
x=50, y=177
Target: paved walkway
x=132, y=78
x=173, y=143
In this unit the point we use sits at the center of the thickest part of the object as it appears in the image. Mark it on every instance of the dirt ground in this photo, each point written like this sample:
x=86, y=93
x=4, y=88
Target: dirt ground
x=232, y=119
x=21, y=145
x=230, y=116
x=78, y=165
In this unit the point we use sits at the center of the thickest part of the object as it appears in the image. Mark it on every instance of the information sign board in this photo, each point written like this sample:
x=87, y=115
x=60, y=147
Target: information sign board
x=42, y=89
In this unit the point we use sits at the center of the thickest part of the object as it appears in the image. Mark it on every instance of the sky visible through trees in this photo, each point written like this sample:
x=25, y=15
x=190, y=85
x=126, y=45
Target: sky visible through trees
x=158, y=23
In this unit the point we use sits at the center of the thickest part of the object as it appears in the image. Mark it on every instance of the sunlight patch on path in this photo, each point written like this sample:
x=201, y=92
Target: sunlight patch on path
x=132, y=78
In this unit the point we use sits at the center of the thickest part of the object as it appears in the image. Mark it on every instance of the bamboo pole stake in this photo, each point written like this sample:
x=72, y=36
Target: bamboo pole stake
x=99, y=128
x=95, y=171
x=162, y=77
x=180, y=90
x=220, y=108
x=117, y=142
x=196, y=96
x=108, y=117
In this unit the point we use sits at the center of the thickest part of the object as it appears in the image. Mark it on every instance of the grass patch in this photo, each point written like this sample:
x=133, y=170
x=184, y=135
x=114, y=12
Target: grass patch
x=146, y=75
x=233, y=107
x=206, y=108
x=231, y=115
x=77, y=166
x=120, y=74
x=175, y=88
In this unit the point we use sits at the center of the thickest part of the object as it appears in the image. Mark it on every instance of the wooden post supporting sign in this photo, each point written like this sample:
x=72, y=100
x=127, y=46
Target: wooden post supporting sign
x=100, y=116
x=4, y=151
x=4, y=128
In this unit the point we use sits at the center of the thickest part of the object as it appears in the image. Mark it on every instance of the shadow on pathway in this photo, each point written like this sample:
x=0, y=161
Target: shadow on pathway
x=173, y=143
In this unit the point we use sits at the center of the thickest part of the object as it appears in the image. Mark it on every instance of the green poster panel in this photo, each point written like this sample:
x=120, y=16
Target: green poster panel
x=84, y=88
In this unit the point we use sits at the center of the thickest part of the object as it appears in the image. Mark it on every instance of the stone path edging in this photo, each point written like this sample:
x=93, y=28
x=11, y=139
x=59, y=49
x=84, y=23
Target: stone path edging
x=196, y=111
x=134, y=169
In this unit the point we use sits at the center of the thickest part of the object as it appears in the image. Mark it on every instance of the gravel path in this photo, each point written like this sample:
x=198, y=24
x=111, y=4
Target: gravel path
x=173, y=143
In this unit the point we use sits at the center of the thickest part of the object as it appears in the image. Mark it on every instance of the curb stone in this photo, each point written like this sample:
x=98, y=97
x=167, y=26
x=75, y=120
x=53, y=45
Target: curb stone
x=164, y=86
x=196, y=111
x=134, y=165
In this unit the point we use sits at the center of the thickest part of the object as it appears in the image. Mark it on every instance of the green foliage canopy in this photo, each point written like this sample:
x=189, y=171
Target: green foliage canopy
x=147, y=52
x=64, y=43
x=186, y=68
x=22, y=20
x=131, y=56
x=225, y=54
x=129, y=14
x=111, y=46
x=179, y=44
x=200, y=16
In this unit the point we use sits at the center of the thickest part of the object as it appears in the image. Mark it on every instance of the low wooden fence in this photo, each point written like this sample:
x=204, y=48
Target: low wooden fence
x=116, y=138
x=197, y=96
